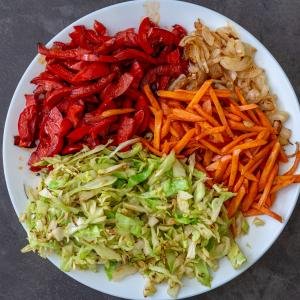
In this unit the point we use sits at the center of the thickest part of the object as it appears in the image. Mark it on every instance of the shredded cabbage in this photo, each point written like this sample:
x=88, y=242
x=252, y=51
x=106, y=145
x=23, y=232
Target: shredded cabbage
x=131, y=212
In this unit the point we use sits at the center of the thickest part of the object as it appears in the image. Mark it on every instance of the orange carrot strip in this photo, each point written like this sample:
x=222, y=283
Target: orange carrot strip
x=224, y=161
x=235, y=202
x=210, y=146
x=180, y=114
x=253, y=167
x=211, y=131
x=234, y=167
x=267, y=211
x=235, y=110
x=241, y=127
x=165, y=147
x=115, y=112
x=174, y=132
x=200, y=167
x=227, y=172
x=181, y=95
x=207, y=106
x=247, y=145
x=177, y=126
x=221, y=93
x=237, y=140
x=213, y=166
x=165, y=108
x=250, y=197
x=238, y=184
x=184, y=141
x=207, y=157
x=269, y=166
x=185, y=126
x=247, y=107
x=200, y=93
x=268, y=185
x=157, y=129
x=220, y=111
x=244, y=102
x=281, y=185
x=282, y=155
x=296, y=151
x=232, y=117
x=252, y=212
x=263, y=118
x=175, y=104
x=151, y=148
x=165, y=128
x=151, y=97
x=151, y=124
x=205, y=115
x=295, y=165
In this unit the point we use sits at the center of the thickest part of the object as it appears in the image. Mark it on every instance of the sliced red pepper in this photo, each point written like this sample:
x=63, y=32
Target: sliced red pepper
x=143, y=105
x=61, y=72
x=48, y=85
x=92, y=71
x=75, y=54
x=127, y=38
x=77, y=66
x=79, y=37
x=126, y=130
x=138, y=120
x=163, y=82
x=102, y=127
x=174, y=57
x=127, y=54
x=95, y=116
x=87, y=90
x=74, y=113
x=179, y=32
x=55, y=96
x=51, y=136
x=30, y=100
x=162, y=70
x=44, y=76
x=143, y=40
x=99, y=28
x=106, y=47
x=136, y=70
x=62, y=45
x=160, y=35
x=115, y=90
x=70, y=149
x=78, y=133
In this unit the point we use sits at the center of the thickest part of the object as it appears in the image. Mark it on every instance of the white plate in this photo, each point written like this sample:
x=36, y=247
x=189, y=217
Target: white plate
x=129, y=14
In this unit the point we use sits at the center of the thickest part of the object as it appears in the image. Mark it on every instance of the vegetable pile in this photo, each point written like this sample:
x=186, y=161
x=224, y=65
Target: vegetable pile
x=131, y=212
x=234, y=142
x=89, y=91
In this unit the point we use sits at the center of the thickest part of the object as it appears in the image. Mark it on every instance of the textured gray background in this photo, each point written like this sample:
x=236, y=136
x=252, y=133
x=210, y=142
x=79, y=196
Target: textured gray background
x=24, y=22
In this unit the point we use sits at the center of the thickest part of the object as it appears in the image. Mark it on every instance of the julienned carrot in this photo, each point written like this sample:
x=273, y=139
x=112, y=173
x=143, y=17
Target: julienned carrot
x=165, y=128
x=157, y=129
x=269, y=166
x=234, y=167
x=177, y=126
x=232, y=117
x=250, y=197
x=247, y=107
x=263, y=119
x=151, y=148
x=207, y=107
x=239, y=183
x=236, y=110
x=210, y=146
x=211, y=131
x=224, y=161
x=221, y=93
x=268, y=185
x=181, y=95
x=248, y=145
x=184, y=141
x=199, y=167
x=205, y=115
x=174, y=132
x=244, y=102
x=200, y=93
x=207, y=157
x=241, y=127
x=252, y=212
x=236, y=141
x=115, y=112
x=220, y=111
x=235, y=202
x=151, y=97
x=213, y=166
x=180, y=114
x=267, y=211
x=281, y=185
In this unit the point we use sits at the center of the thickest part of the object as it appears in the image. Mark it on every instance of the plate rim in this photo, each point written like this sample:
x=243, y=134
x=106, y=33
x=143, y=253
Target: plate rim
x=35, y=60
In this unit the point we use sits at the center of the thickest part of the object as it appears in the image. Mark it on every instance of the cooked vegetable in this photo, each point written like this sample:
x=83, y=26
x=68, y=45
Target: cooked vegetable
x=130, y=211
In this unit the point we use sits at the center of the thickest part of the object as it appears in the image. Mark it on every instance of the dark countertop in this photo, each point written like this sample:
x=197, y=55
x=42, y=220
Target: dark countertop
x=24, y=22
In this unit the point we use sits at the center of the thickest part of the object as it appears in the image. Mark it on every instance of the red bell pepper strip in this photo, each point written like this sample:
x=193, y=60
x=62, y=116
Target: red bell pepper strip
x=143, y=40
x=162, y=70
x=126, y=130
x=137, y=72
x=48, y=85
x=79, y=37
x=61, y=72
x=87, y=90
x=174, y=57
x=77, y=66
x=99, y=28
x=106, y=47
x=144, y=106
x=179, y=32
x=55, y=96
x=92, y=71
x=138, y=121
x=51, y=134
x=70, y=149
x=129, y=53
x=115, y=90
x=78, y=133
x=163, y=82
x=74, y=113
x=75, y=54
x=27, y=126
x=44, y=76
x=102, y=127
x=162, y=36
x=126, y=38
x=30, y=100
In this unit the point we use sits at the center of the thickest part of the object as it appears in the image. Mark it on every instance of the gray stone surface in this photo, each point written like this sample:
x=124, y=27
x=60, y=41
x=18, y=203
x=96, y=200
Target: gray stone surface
x=23, y=23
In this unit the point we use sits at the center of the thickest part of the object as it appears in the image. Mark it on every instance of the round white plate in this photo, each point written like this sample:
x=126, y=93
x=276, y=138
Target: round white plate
x=118, y=17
